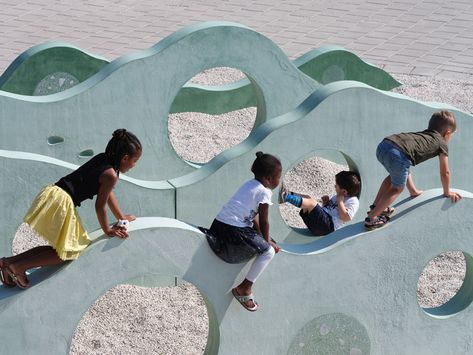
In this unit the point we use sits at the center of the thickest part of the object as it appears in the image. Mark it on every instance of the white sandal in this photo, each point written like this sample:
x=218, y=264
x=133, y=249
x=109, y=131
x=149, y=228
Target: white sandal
x=242, y=299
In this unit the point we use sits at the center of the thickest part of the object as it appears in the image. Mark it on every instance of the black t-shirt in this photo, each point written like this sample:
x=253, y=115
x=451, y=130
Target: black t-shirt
x=83, y=183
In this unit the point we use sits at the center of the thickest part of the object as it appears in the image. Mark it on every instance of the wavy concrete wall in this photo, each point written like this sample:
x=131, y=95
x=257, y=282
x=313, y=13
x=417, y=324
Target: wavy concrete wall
x=349, y=292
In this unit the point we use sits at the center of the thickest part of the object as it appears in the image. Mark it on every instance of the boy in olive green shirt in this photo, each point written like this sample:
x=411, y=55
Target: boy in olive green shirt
x=399, y=151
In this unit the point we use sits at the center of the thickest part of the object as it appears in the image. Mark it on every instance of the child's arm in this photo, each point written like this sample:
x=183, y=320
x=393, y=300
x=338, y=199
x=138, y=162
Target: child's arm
x=107, y=181
x=113, y=205
x=342, y=210
x=263, y=225
x=445, y=178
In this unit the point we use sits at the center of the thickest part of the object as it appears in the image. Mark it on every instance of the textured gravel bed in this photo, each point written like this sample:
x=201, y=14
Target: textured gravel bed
x=172, y=320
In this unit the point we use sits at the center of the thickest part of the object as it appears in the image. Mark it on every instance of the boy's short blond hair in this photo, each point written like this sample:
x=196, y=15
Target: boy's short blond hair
x=442, y=121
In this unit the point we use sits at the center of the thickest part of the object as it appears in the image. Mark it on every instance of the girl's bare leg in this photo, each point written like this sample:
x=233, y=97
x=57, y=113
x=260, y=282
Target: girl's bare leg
x=26, y=254
x=36, y=257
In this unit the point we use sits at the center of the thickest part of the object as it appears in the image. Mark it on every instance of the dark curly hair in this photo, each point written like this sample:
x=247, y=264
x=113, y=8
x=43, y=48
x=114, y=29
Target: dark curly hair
x=350, y=181
x=123, y=142
x=265, y=165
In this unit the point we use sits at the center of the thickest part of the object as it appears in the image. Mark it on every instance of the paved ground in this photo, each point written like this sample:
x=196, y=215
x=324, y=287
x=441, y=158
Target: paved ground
x=428, y=37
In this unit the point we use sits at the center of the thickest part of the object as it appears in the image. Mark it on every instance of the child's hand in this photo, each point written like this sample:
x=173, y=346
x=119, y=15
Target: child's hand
x=276, y=247
x=122, y=223
x=454, y=196
x=325, y=199
x=130, y=217
x=118, y=232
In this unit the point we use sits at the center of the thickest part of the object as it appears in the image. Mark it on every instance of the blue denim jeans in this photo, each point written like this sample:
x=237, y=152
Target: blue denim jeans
x=395, y=161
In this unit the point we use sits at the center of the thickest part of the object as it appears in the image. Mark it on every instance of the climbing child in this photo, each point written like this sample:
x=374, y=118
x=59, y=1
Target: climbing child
x=399, y=151
x=241, y=228
x=54, y=217
x=334, y=212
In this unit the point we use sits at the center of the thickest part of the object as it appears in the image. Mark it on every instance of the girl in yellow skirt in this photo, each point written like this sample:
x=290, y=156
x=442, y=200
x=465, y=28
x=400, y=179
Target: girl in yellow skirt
x=54, y=217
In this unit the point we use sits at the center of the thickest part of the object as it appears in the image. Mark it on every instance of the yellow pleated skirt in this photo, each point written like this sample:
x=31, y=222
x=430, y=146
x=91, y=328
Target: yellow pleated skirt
x=54, y=217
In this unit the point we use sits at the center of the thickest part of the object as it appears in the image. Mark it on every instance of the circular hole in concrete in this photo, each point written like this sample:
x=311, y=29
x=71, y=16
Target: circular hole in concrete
x=54, y=83
x=445, y=284
x=314, y=177
x=332, y=333
x=197, y=137
x=144, y=320
x=169, y=319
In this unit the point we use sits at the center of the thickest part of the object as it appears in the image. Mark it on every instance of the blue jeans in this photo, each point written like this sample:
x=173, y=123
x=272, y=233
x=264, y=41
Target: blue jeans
x=395, y=161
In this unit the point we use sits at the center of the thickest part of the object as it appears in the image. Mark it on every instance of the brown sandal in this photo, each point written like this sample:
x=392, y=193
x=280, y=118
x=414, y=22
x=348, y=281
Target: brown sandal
x=4, y=276
x=15, y=278
x=376, y=222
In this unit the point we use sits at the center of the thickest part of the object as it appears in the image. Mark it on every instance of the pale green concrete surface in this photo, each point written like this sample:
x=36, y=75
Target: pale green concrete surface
x=364, y=287
x=349, y=292
x=53, y=67
x=38, y=64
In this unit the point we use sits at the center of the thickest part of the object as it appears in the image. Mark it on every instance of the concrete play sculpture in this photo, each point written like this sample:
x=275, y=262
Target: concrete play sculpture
x=349, y=292
x=28, y=74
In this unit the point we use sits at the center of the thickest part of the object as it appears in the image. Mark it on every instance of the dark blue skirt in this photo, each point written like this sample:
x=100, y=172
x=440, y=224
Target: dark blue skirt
x=234, y=244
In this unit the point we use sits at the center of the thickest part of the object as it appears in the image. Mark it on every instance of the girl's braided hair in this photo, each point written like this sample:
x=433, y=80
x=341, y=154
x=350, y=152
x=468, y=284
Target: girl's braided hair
x=265, y=165
x=123, y=142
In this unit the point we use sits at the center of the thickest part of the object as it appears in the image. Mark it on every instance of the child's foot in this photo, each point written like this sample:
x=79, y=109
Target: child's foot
x=283, y=192
x=375, y=223
x=19, y=279
x=388, y=211
x=247, y=301
x=416, y=193
x=4, y=277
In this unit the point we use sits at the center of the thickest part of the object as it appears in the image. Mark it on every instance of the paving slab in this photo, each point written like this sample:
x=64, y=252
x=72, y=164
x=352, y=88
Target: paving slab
x=114, y=28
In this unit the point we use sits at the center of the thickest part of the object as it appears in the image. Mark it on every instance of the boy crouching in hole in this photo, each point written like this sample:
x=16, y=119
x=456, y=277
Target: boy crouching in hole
x=334, y=212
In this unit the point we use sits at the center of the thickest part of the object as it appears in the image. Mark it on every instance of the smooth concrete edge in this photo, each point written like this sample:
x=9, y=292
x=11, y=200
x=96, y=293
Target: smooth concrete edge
x=266, y=128
x=171, y=40
x=356, y=230
x=30, y=52
x=156, y=185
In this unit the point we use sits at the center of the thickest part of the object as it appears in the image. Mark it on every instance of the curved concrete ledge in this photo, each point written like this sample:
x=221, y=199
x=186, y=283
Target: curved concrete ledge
x=24, y=74
x=332, y=63
x=325, y=64
x=328, y=109
x=149, y=87
x=365, y=282
x=308, y=107
x=309, y=246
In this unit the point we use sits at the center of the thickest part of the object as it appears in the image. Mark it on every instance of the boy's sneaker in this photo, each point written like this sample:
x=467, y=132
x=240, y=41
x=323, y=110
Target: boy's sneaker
x=283, y=192
x=376, y=222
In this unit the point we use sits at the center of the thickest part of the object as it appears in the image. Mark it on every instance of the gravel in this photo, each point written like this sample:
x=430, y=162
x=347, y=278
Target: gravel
x=173, y=320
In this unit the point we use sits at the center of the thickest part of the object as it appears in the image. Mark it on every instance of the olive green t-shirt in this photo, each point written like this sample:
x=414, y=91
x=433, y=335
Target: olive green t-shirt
x=420, y=146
